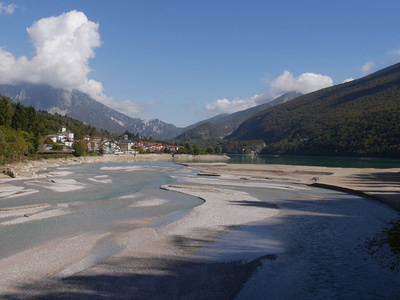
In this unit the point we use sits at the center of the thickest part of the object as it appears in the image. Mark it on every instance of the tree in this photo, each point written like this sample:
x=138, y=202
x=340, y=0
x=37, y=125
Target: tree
x=188, y=149
x=79, y=148
x=19, y=120
x=196, y=150
x=3, y=144
x=16, y=143
x=210, y=150
x=218, y=150
x=5, y=112
x=48, y=141
x=32, y=124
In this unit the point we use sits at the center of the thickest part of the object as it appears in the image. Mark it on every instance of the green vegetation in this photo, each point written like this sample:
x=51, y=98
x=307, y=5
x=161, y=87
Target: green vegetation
x=19, y=130
x=195, y=149
x=204, y=135
x=213, y=130
x=79, y=148
x=52, y=123
x=242, y=147
x=22, y=128
x=359, y=118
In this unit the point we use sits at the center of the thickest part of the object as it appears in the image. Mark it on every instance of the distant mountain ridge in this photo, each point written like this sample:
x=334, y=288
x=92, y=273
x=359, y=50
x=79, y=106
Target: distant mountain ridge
x=361, y=118
x=82, y=107
x=222, y=125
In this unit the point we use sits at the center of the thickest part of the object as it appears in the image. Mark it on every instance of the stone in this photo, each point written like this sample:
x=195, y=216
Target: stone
x=10, y=172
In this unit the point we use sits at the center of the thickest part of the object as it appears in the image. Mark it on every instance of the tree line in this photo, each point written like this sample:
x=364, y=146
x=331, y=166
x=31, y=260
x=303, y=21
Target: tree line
x=19, y=130
x=22, y=129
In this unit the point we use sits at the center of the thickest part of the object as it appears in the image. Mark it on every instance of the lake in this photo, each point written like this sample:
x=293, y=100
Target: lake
x=340, y=162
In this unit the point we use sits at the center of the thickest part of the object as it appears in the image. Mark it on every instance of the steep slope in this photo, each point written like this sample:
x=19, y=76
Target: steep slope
x=231, y=122
x=361, y=117
x=200, y=134
x=212, y=120
x=225, y=124
x=80, y=106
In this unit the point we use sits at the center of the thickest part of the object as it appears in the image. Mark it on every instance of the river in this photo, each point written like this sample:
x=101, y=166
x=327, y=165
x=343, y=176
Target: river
x=94, y=198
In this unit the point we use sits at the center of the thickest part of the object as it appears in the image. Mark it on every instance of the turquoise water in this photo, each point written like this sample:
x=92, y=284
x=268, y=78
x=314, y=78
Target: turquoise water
x=341, y=162
x=98, y=207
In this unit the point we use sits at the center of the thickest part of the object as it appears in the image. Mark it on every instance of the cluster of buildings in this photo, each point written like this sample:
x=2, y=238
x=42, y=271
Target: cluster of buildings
x=62, y=137
x=126, y=146
x=107, y=146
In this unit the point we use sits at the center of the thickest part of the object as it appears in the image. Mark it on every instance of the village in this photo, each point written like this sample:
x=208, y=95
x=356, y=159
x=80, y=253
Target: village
x=63, y=140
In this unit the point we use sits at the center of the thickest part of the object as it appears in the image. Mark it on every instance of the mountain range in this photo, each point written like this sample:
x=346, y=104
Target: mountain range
x=361, y=118
x=222, y=125
x=82, y=107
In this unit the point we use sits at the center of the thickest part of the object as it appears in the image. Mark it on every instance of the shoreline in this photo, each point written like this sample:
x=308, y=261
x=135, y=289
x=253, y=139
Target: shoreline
x=207, y=242
x=39, y=168
x=381, y=185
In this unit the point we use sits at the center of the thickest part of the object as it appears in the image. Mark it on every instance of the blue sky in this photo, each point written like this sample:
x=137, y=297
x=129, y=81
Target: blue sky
x=184, y=61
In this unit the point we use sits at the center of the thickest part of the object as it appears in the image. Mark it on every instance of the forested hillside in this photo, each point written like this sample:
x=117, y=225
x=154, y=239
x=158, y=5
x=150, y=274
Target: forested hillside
x=204, y=134
x=360, y=118
x=212, y=130
x=82, y=107
x=22, y=128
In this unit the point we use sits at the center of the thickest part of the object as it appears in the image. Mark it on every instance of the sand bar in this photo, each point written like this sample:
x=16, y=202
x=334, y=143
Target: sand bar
x=382, y=184
x=40, y=205
x=235, y=244
x=234, y=238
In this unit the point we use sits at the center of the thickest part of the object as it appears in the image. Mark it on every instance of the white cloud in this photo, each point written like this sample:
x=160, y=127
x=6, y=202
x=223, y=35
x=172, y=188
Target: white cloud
x=7, y=9
x=285, y=83
x=367, y=67
x=225, y=106
x=348, y=80
x=305, y=83
x=63, y=47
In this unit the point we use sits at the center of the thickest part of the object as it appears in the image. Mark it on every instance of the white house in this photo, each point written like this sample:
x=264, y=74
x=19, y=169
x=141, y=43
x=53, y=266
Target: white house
x=63, y=137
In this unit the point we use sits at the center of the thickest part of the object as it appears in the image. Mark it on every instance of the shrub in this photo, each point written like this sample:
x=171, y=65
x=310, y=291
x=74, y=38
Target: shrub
x=79, y=148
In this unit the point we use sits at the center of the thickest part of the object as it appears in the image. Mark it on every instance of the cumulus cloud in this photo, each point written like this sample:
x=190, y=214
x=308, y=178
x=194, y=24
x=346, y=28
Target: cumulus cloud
x=367, y=67
x=285, y=83
x=225, y=106
x=7, y=9
x=305, y=83
x=348, y=80
x=63, y=47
